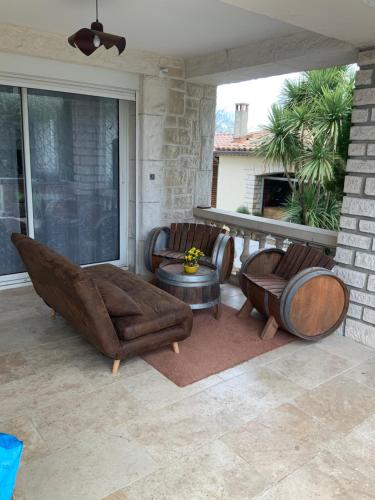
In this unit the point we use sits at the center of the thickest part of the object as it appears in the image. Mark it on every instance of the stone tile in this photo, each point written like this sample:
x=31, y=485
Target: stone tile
x=357, y=449
x=181, y=428
x=86, y=470
x=256, y=390
x=346, y=348
x=214, y=471
x=14, y=366
x=364, y=373
x=262, y=360
x=24, y=429
x=324, y=477
x=156, y=391
x=235, y=301
x=19, y=334
x=279, y=442
x=341, y=403
x=22, y=396
x=63, y=423
x=81, y=355
x=310, y=367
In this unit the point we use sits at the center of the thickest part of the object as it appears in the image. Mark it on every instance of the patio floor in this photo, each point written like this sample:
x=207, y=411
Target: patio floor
x=295, y=423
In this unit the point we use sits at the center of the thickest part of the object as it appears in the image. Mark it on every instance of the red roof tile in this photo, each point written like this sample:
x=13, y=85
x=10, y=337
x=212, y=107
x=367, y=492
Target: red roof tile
x=226, y=142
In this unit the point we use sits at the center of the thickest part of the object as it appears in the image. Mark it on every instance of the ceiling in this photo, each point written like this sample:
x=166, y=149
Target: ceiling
x=351, y=21
x=175, y=27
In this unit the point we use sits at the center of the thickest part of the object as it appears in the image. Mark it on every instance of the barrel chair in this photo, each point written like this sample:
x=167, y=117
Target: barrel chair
x=296, y=290
x=172, y=242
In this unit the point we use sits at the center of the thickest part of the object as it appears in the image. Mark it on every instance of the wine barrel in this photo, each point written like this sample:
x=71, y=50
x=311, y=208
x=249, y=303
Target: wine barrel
x=200, y=290
x=313, y=304
x=223, y=256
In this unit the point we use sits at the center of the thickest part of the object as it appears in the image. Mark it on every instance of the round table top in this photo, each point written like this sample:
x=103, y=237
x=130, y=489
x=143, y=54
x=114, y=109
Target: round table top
x=174, y=270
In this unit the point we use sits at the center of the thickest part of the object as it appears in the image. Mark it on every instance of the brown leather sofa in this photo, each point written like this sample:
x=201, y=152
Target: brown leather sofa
x=118, y=312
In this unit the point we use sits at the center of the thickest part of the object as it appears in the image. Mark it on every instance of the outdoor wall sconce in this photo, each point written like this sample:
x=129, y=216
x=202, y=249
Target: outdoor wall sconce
x=87, y=40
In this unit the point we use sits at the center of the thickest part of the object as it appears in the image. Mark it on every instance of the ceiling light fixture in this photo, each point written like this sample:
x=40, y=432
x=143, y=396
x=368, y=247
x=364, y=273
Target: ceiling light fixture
x=87, y=40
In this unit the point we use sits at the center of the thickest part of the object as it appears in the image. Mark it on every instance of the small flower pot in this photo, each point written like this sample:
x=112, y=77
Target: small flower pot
x=191, y=269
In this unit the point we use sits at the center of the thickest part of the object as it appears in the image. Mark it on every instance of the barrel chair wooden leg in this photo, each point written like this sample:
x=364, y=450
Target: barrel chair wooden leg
x=245, y=309
x=116, y=366
x=217, y=311
x=176, y=348
x=53, y=314
x=270, y=329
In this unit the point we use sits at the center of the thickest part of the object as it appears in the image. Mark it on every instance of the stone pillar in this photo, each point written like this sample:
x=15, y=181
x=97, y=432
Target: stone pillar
x=254, y=194
x=176, y=136
x=356, y=251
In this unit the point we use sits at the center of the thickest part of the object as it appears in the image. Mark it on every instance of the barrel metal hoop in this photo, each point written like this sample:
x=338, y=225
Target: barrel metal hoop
x=206, y=305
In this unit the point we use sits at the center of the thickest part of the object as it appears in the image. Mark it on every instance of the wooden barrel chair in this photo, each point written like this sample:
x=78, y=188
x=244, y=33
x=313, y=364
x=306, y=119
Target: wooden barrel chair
x=171, y=243
x=296, y=290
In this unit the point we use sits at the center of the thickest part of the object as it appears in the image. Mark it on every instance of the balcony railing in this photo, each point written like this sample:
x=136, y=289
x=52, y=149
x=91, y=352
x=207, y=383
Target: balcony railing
x=252, y=233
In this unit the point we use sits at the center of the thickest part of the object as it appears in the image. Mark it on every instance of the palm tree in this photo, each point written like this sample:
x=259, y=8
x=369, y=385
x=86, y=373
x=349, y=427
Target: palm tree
x=308, y=132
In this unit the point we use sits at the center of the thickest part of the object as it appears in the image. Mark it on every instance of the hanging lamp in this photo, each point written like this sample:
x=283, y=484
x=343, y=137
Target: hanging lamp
x=87, y=40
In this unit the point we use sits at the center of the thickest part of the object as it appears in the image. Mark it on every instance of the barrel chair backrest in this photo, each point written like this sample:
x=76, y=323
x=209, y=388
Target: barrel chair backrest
x=299, y=257
x=183, y=236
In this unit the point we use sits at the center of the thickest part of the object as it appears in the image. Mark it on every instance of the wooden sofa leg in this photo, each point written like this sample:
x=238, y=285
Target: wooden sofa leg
x=53, y=314
x=270, y=329
x=116, y=366
x=175, y=347
x=245, y=309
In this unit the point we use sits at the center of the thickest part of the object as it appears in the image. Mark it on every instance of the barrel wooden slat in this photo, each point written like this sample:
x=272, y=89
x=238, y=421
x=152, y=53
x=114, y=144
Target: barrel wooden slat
x=172, y=236
x=198, y=236
x=190, y=236
x=205, y=240
x=184, y=235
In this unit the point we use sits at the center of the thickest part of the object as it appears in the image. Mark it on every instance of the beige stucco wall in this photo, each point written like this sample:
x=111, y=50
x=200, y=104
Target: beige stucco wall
x=239, y=181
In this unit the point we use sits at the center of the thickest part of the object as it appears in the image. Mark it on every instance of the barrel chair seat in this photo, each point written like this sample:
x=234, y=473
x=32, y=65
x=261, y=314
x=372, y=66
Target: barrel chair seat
x=296, y=290
x=167, y=243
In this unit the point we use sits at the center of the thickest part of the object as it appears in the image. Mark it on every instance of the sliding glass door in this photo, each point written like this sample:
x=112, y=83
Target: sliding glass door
x=13, y=216
x=74, y=145
x=72, y=174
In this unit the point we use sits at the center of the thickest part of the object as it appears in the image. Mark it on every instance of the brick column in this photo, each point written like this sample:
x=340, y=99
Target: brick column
x=356, y=251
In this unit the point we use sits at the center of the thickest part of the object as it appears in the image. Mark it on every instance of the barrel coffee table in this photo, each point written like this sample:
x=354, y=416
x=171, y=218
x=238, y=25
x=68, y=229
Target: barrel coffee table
x=200, y=290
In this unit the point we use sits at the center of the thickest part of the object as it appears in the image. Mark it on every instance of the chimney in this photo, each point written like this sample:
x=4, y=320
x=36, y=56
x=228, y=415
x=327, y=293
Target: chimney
x=240, y=120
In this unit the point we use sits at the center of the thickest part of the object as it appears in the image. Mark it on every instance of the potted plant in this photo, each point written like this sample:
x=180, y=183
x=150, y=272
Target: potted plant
x=191, y=260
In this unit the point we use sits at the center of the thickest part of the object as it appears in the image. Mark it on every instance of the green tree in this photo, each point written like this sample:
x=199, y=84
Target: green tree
x=308, y=133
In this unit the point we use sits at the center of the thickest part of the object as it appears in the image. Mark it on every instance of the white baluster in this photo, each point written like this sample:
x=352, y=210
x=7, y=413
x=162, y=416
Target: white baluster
x=261, y=237
x=279, y=242
x=246, y=245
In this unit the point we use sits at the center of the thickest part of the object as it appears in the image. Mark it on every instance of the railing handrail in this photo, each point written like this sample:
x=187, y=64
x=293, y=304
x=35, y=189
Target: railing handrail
x=299, y=232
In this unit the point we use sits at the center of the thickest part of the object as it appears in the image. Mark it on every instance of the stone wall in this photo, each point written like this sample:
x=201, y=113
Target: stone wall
x=176, y=134
x=356, y=251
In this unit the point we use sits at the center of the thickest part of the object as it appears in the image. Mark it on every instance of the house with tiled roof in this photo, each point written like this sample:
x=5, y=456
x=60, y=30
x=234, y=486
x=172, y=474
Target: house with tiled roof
x=240, y=176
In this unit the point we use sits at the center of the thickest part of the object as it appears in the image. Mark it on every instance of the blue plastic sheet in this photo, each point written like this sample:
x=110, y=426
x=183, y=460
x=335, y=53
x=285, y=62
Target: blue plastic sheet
x=10, y=456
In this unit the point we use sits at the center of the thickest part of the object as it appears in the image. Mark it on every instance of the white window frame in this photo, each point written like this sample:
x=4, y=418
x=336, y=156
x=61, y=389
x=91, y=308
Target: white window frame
x=60, y=85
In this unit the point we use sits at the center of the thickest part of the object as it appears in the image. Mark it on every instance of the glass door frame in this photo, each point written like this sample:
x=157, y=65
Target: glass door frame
x=124, y=134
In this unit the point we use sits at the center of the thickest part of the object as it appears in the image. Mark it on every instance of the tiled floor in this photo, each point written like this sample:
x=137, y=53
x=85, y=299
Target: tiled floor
x=295, y=423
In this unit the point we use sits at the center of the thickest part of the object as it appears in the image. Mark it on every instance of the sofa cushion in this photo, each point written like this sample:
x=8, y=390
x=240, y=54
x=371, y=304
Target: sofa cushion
x=159, y=309
x=116, y=300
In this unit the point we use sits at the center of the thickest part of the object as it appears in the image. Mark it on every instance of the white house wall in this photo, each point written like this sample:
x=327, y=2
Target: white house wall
x=240, y=181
